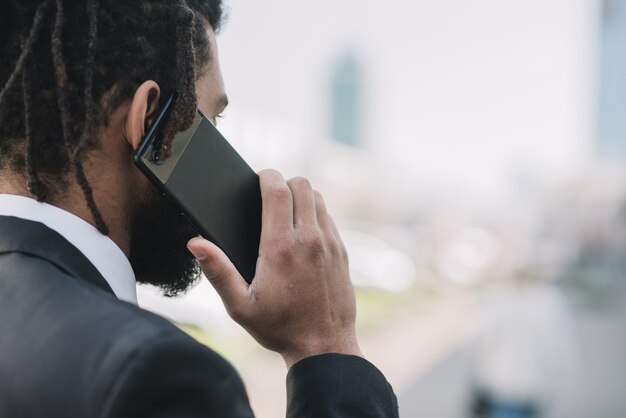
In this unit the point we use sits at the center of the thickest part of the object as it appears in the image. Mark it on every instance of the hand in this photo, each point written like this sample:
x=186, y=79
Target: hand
x=301, y=301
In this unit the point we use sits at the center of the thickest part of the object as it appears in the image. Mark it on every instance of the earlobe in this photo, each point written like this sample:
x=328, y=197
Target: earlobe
x=142, y=109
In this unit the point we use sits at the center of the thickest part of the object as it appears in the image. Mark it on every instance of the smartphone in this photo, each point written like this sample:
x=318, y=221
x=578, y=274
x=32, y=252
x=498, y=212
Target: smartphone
x=211, y=185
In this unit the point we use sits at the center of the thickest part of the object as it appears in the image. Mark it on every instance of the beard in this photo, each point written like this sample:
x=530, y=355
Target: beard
x=158, y=246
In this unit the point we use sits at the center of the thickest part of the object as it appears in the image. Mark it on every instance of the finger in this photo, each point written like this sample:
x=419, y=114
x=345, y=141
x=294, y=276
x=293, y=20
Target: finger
x=277, y=213
x=220, y=272
x=324, y=220
x=304, y=210
x=321, y=213
x=334, y=230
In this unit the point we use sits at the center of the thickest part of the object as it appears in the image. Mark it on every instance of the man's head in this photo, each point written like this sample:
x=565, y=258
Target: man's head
x=79, y=83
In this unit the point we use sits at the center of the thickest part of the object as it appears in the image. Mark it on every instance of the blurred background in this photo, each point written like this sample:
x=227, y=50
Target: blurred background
x=473, y=153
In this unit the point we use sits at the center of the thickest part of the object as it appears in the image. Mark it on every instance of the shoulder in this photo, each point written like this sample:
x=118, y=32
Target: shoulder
x=120, y=360
x=174, y=377
x=161, y=371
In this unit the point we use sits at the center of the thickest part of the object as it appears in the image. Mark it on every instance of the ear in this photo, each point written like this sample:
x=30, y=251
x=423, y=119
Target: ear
x=142, y=109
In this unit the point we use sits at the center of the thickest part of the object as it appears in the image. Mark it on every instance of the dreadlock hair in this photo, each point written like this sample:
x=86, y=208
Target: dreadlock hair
x=65, y=65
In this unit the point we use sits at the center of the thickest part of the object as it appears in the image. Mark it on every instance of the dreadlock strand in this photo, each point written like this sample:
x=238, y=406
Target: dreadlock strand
x=27, y=49
x=60, y=71
x=79, y=172
x=34, y=184
x=89, y=103
x=91, y=204
x=185, y=68
x=186, y=102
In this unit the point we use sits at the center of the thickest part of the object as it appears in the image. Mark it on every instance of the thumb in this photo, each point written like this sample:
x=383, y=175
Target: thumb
x=220, y=271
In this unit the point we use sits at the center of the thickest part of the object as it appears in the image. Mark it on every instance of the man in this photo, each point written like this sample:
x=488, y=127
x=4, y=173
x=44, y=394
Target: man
x=80, y=82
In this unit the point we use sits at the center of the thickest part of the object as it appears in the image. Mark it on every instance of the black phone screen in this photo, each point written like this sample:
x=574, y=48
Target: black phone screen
x=211, y=184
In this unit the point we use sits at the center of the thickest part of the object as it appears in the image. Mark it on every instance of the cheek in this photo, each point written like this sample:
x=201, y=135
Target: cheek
x=139, y=187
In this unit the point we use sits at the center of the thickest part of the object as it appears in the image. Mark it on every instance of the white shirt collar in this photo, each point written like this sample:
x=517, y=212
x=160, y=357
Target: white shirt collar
x=99, y=249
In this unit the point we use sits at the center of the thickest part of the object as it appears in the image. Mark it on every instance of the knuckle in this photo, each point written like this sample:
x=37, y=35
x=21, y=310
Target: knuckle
x=338, y=249
x=314, y=244
x=283, y=251
x=313, y=240
x=300, y=182
x=269, y=173
x=280, y=193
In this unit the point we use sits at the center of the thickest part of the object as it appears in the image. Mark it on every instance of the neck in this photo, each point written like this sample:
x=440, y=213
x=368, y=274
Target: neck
x=73, y=201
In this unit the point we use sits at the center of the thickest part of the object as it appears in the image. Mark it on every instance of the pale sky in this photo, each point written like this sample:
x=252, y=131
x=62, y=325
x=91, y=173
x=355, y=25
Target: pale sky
x=461, y=97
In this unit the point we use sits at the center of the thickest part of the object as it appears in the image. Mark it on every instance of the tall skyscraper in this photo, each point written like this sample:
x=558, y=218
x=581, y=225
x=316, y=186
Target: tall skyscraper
x=612, y=100
x=346, y=108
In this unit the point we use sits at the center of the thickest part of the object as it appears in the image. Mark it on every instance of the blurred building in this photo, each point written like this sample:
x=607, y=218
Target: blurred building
x=612, y=97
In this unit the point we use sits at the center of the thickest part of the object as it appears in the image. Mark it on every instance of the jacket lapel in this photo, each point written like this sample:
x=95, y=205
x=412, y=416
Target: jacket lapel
x=36, y=239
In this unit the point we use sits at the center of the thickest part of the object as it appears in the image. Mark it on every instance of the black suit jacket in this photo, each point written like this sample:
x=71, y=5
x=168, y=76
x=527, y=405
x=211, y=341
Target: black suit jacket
x=70, y=348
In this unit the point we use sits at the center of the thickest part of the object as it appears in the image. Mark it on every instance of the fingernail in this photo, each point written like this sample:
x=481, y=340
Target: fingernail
x=197, y=252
